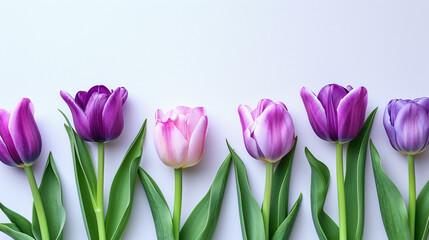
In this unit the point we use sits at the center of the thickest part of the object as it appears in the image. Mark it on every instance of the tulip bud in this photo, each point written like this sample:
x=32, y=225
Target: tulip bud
x=268, y=130
x=97, y=114
x=20, y=141
x=336, y=114
x=180, y=135
x=407, y=125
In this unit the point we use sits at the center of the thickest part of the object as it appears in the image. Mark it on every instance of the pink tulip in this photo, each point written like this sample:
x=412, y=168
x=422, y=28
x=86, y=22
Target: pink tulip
x=180, y=136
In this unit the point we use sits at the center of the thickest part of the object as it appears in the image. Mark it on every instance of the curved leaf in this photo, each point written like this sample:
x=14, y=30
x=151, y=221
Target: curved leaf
x=159, y=207
x=280, y=191
x=422, y=214
x=326, y=228
x=392, y=206
x=285, y=229
x=52, y=199
x=252, y=225
x=355, y=180
x=201, y=224
x=122, y=189
x=19, y=221
x=13, y=231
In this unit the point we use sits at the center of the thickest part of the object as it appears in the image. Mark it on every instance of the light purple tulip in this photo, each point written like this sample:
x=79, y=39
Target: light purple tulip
x=407, y=124
x=20, y=141
x=336, y=114
x=97, y=114
x=268, y=130
x=180, y=135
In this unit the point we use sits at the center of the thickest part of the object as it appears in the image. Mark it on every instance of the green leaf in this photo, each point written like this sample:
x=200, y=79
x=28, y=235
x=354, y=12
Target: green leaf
x=355, y=180
x=22, y=224
x=285, y=229
x=422, y=214
x=392, y=206
x=201, y=224
x=86, y=181
x=14, y=232
x=326, y=228
x=252, y=225
x=122, y=190
x=159, y=207
x=280, y=191
x=52, y=200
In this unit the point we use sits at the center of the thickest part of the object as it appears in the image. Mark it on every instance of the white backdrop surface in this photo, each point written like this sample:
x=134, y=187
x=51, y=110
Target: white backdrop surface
x=217, y=54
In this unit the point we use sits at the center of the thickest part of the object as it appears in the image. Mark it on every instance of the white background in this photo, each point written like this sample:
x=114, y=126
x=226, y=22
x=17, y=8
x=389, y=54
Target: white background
x=216, y=54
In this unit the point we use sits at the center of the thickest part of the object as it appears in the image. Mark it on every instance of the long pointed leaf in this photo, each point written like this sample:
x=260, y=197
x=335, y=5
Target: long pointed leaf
x=326, y=228
x=392, y=206
x=285, y=229
x=252, y=225
x=19, y=221
x=13, y=231
x=422, y=214
x=280, y=191
x=201, y=224
x=355, y=180
x=159, y=207
x=122, y=190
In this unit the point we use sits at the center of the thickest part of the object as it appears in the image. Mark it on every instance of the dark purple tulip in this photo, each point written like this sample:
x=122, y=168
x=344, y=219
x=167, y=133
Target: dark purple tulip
x=20, y=141
x=336, y=114
x=407, y=124
x=97, y=114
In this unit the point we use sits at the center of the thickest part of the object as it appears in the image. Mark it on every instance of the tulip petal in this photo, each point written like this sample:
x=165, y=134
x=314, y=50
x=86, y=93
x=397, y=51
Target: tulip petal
x=316, y=113
x=351, y=114
x=112, y=116
x=24, y=131
x=123, y=93
x=80, y=119
x=197, y=142
x=245, y=114
x=412, y=128
x=5, y=155
x=274, y=132
x=94, y=112
x=388, y=126
x=80, y=99
x=193, y=118
x=262, y=105
x=7, y=138
x=170, y=144
x=424, y=101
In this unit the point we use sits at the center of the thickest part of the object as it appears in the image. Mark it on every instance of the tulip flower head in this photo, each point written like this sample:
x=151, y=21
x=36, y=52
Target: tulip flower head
x=336, y=114
x=268, y=130
x=407, y=124
x=180, y=135
x=20, y=141
x=97, y=114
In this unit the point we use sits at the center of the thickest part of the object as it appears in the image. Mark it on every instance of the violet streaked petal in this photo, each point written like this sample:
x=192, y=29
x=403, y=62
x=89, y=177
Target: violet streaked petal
x=351, y=114
x=94, y=112
x=123, y=93
x=81, y=99
x=24, y=132
x=5, y=155
x=423, y=101
x=316, y=113
x=170, y=144
x=112, y=116
x=412, y=128
x=80, y=119
x=390, y=130
x=245, y=114
x=197, y=142
x=262, y=105
x=7, y=138
x=250, y=142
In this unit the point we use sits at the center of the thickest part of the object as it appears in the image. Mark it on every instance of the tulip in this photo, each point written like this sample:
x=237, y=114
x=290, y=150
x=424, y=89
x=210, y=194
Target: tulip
x=97, y=114
x=269, y=135
x=179, y=138
x=336, y=114
x=407, y=126
x=20, y=146
x=268, y=130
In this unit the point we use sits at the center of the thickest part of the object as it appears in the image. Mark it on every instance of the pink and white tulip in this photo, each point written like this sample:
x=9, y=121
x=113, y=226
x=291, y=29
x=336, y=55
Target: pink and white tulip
x=180, y=136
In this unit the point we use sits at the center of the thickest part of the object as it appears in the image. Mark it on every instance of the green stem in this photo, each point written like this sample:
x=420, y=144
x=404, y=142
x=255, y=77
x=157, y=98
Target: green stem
x=267, y=197
x=177, y=202
x=412, y=195
x=38, y=203
x=341, y=194
x=99, y=212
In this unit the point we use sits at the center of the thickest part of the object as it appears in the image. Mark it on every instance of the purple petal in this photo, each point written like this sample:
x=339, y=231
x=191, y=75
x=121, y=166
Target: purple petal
x=245, y=114
x=388, y=126
x=7, y=138
x=250, y=142
x=351, y=114
x=424, y=101
x=81, y=99
x=197, y=142
x=5, y=155
x=94, y=112
x=316, y=113
x=124, y=94
x=262, y=105
x=112, y=116
x=80, y=119
x=24, y=132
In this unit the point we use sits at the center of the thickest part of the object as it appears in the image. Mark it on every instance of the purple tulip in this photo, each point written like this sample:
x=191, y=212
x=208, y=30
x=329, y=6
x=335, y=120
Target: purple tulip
x=97, y=114
x=407, y=124
x=336, y=114
x=180, y=136
x=268, y=130
x=20, y=141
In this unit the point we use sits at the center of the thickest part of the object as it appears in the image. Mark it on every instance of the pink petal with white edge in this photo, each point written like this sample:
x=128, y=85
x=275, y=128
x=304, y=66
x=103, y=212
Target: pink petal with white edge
x=171, y=146
x=197, y=142
x=245, y=114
